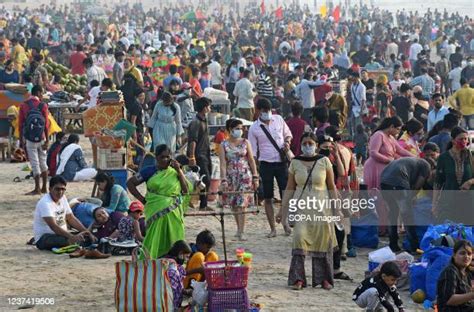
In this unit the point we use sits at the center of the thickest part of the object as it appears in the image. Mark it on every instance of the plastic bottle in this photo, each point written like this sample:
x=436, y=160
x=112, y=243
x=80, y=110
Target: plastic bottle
x=247, y=259
x=239, y=253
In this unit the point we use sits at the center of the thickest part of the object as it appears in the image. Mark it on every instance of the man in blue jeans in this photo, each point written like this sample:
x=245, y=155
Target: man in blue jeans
x=271, y=165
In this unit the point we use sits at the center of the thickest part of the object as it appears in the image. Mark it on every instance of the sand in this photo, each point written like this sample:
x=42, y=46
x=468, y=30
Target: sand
x=88, y=285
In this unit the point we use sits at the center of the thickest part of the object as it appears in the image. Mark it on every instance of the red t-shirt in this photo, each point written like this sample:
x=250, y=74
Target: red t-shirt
x=24, y=110
x=77, y=68
x=296, y=126
x=320, y=92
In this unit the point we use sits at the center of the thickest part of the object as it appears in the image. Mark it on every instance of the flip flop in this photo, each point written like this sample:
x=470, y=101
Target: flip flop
x=17, y=179
x=342, y=276
x=65, y=249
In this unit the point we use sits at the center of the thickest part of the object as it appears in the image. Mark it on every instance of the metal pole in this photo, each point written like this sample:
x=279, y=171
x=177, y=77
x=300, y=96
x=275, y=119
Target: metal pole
x=223, y=237
x=221, y=215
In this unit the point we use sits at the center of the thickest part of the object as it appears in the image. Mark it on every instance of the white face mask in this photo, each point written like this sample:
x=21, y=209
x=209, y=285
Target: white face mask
x=266, y=116
x=308, y=150
x=237, y=133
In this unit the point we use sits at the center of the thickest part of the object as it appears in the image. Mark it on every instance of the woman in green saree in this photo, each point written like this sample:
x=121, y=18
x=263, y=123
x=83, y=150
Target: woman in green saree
x=166, y=201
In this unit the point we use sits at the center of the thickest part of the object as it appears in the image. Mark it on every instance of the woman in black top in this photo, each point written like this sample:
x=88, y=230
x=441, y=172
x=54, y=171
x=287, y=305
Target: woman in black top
x=454, y=284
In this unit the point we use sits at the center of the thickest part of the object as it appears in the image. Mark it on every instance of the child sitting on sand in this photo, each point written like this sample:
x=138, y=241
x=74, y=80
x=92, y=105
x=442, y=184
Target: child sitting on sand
x=176, y=273
x=129, y=227
x=201, y=253
x=372, y=293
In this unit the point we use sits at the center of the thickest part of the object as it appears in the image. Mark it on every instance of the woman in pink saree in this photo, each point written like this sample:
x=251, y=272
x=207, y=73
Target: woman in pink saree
x=383, y=148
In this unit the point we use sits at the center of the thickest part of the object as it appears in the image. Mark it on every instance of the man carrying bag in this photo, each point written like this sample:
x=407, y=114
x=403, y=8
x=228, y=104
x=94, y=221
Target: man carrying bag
x=270, y=138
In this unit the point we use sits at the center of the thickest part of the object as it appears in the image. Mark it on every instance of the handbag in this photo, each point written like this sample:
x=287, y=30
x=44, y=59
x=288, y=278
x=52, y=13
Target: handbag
x=143, y=285
x=286, y=156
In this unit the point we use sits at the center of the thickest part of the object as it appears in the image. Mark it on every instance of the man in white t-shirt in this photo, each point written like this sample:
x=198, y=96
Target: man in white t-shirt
x=93, y=94
x=53, y=215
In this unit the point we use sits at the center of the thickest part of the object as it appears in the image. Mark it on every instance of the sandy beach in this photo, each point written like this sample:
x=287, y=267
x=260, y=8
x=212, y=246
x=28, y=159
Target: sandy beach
x=88, y=285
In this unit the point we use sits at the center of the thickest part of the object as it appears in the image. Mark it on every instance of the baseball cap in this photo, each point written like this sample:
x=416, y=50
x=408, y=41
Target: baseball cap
x=136, y=206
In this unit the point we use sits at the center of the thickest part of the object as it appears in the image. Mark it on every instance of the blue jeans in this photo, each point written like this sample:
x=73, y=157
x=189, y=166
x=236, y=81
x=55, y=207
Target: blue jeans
x=399, y=202
x=353, y=122
x=469, y=121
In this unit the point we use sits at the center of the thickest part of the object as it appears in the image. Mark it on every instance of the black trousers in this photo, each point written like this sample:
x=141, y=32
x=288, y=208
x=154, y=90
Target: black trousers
x=399, y=202
x=50, y=241
x=337, y=254
x=269, y=172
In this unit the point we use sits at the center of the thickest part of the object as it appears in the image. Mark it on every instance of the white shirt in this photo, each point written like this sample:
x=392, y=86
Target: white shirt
x=284, y=44
x=358, y=96
x=93, y=94
x=392, y=48
x=395, y=85
x=215, y=70
x=244, y=91
x=455, y=77
x=306, y=93
x=125, y=42
x=450, y=50
x=435, y=116
x=46, y=207
x=146, y=36
x=90, y=38
x=415, y=48
x=242, y=63
x=95, y=73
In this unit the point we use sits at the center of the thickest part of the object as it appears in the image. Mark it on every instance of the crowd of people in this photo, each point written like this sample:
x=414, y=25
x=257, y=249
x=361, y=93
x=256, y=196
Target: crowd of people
x=399, y=86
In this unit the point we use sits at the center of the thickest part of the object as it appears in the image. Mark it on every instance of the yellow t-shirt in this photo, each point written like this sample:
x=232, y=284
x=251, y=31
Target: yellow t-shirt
x=465, y=98
x=137, y=74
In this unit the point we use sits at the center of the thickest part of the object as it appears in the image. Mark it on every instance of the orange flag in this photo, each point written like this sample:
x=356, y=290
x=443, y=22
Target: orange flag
x=279, y=13
x=336, y=14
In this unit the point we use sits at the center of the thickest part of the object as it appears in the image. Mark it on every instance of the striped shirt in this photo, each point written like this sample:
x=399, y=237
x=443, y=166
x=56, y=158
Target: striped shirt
x=426, y=83
x=264, y=86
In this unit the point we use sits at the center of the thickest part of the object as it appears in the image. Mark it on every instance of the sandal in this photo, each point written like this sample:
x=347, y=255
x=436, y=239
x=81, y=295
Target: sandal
x=17, y=179
x=298, y=285
x=342, y=276
x=65, y=249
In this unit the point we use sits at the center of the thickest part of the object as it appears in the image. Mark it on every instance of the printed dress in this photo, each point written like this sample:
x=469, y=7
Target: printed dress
x=239, y=176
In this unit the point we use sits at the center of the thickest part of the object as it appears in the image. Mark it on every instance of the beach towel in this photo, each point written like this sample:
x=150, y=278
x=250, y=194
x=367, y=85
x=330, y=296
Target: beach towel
x=143, y=285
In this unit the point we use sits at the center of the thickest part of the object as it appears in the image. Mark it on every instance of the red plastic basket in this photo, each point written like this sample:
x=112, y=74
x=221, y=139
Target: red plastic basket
x=234, y=299
x=220, y=276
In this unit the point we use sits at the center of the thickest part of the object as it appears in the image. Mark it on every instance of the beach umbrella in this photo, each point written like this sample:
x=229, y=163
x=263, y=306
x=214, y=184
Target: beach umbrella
x=193, y=16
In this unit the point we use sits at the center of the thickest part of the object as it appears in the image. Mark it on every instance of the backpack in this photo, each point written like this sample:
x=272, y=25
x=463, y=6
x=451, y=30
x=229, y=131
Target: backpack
x=35, y=123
